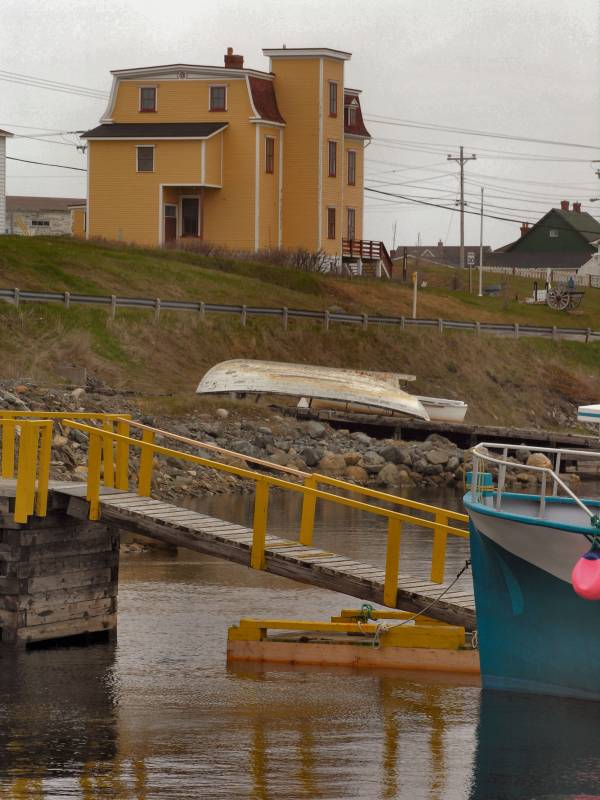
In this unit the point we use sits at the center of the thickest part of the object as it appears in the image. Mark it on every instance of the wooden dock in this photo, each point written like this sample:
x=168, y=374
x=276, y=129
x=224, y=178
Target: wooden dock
x=464, y=434
x=183, y=527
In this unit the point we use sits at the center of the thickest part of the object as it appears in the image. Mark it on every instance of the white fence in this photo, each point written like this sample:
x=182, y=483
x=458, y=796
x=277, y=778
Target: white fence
x=548, y=275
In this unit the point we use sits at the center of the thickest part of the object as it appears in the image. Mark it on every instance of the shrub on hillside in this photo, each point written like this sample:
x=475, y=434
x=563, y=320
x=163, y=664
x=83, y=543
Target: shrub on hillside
x=301, y=259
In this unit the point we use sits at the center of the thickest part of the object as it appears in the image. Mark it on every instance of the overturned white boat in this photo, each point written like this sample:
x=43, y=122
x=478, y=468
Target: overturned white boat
x=442, y=410
x=375, y=391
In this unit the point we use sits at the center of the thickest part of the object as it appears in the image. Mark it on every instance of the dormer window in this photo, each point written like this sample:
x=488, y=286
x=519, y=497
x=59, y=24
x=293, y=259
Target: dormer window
x=218, y=98
x=351, y=114
x=147, y=98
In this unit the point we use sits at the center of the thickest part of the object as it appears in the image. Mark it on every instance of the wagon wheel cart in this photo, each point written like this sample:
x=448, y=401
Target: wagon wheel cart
x=576, y=298
x=558, y=298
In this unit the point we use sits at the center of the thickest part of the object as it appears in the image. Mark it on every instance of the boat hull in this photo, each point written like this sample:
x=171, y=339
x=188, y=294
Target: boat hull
x=535, y=633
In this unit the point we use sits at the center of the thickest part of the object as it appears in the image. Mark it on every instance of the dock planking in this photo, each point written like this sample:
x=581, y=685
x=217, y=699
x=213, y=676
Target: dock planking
x=183, y=527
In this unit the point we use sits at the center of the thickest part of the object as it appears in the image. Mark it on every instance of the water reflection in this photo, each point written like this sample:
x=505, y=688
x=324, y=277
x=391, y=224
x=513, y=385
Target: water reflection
x=536, y=747
x=57, y=709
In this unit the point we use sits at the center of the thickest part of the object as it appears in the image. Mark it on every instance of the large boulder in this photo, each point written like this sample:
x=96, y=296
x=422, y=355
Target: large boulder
x=393, y=453
x=438, y=455
x=310, y=456
x=453, y=464
x=362, y=438
x=372, y=462
x=297, y=462
x=315, y=429
x=356, y=474
x=388, y=475
x=539, y=460
x=352, y=458
x=332, y=464
x=420, y=465
x=436, y=440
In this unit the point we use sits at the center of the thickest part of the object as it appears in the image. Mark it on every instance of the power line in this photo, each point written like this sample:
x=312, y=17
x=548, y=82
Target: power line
x=55, y=86
x=43, y=139
x=45, y=163
x=476, y=213
x=397, y=122
x=441, y=147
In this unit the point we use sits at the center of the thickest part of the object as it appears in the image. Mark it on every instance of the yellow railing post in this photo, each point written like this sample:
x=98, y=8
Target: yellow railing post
x=146, y=465
x=392, y=562
x=122, y=467
x=261, y=509
x=438, y=555
x=309, y=505
x=8, y=448
x=41, y=503
x=26, y=469
x=93, y=477
x=108, y=454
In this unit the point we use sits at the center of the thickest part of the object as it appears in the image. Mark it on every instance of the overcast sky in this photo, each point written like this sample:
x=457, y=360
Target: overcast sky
x=524, y=68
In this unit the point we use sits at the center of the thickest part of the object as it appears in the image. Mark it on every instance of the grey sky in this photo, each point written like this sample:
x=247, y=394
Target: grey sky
x=528, y=68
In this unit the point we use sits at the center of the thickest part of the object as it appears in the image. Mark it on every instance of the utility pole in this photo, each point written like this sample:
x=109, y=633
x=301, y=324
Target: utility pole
x=462, y=160
x=415, y=280
x=394, y=236
x=481, y=248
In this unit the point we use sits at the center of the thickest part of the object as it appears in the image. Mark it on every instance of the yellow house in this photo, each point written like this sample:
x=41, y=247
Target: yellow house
x=234, y=156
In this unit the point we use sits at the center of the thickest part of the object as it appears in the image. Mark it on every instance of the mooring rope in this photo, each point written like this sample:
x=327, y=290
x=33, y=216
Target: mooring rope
x=383, y=627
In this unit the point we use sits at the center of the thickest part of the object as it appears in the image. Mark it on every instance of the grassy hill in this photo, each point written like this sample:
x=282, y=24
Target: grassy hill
x=505, y=381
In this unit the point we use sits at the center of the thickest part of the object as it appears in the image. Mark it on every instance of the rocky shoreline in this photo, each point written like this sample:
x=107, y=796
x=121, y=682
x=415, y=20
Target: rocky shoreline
x=390, y=465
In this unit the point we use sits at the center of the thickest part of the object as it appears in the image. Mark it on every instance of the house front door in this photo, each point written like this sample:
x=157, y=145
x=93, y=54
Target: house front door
x=190, y=216
x=170, y=222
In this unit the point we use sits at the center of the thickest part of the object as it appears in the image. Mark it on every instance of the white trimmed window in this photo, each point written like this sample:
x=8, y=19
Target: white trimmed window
x=145, y=158
x=352, y=223
x=217, y=98
x=333, y=98
x=351, y=167
x=147, y=99
x=269, y=155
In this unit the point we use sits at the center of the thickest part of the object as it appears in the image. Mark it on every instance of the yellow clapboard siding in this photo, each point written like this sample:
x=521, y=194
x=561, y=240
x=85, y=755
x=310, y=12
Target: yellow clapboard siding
x=269, y=189
x=333, y=130
x=297, y=89
x=353, y=195
x=124, y=203
x=181, y=101
x=213, y=160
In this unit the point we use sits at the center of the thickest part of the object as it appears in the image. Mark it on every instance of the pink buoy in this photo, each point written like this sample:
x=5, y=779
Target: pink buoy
x=586, y=575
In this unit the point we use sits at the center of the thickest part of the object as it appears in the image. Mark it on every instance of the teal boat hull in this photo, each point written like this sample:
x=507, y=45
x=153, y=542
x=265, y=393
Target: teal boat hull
x=535, y=633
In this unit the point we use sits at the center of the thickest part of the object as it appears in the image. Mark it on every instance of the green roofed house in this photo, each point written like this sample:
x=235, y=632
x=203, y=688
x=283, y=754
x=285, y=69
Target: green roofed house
x=562, y=239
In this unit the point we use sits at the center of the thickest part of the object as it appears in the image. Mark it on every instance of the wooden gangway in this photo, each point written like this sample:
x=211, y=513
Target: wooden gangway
x=110, y=499
x=185, y=528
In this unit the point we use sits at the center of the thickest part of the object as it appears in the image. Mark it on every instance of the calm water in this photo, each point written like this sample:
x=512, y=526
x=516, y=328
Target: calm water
x=161, y=715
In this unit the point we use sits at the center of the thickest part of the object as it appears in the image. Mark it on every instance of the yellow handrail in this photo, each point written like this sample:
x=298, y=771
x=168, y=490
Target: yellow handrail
x=33, y=469
x=9, y=420
x=148, y=449
x=441, y=515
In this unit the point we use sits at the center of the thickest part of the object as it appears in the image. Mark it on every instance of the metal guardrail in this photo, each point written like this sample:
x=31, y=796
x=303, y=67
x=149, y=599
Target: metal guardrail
x=157, y=304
